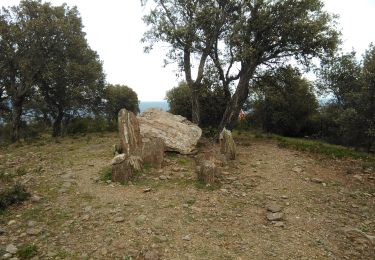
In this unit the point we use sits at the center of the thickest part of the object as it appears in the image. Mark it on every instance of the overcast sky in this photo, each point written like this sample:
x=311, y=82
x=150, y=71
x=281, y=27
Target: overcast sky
x=114, y=29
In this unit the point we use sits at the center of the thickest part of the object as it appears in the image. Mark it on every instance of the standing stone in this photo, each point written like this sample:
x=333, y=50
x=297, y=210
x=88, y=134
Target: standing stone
x=178, y=133
x=152, y=152
x=122, y=171
x=207, y=172
x=227, y=145
x=130, y=136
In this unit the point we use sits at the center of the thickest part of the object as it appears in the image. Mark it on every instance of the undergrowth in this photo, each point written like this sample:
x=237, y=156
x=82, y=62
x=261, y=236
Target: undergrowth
x=16, y=194
x=313, y=146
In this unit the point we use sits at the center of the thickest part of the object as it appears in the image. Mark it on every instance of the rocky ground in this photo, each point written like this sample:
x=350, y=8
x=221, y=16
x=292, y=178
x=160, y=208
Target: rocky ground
x=273, y=203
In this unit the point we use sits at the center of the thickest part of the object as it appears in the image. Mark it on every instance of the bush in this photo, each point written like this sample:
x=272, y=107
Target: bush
x=13, y=195
x=212, y=104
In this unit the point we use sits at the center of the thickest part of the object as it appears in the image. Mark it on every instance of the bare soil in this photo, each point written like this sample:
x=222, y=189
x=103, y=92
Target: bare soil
x=328, y=205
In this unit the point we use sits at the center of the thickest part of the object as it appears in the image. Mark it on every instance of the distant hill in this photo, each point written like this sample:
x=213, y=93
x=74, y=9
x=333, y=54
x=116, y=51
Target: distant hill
x=143, y=105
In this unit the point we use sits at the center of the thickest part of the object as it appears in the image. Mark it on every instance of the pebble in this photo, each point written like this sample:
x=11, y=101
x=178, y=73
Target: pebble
x=11, y=249
x=297, y=169
x=87, y=209
x=11, y=222
x=35, y=198
x=278, y=223
x=119, y=219
x=141, y=218
x=147, y=190
x=86, y=217
x=273, y=208
x=33, y=231
x=104, y=251
x=275, y=216
x=284, y=197
x=316, y=180
x=7, y=256
x=31, y=223
x=358, y=177
x=186, y=238
x=162, y=177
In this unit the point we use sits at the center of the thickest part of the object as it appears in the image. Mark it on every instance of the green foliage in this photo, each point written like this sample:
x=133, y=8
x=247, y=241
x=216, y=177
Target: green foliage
x=27, y=251
x=118, y=97
x=212, y=104
x=350, y=117
x=284, y=103
x=13, y=195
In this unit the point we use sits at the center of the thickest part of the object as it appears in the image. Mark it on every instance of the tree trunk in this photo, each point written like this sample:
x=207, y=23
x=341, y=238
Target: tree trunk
x=195, y=107
x=236, y=102
x=56, y=128
x=16, y=118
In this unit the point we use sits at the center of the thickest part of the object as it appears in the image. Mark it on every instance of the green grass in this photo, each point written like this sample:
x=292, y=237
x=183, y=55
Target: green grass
x=313, y=146
x=106, y=173
x=27, y=251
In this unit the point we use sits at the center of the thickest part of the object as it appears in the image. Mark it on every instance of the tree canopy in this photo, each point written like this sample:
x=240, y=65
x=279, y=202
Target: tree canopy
x=241, y=38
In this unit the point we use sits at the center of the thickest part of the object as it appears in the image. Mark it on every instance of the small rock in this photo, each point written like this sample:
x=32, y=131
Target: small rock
x=119, y=219
x=140, y=219
x=35, y=198
x=316, y=180
x=278, y=224
x=67, y=184
x=11, y=222
x=358, y=177
x=104, y=251
x=275, y=216
x=162, y=177
x=33, y=231
x=176, y=169
x=11, y=249
x=284, y=197
x=161, y=239
x=147, y=190
x=273, y=208
x=151, y=255
x=2, y=231
x=87, y=209
x=324, y=184
x=86, y=217
x=7, y=256
x=31, y=223
x=297, y=169
x=186, y=238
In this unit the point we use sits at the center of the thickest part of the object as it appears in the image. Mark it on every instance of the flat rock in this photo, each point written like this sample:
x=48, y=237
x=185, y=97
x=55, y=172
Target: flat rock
x=11, y=249
x=275, y=216
x=178, y=133
x=119, y=219
x=33, y=231
x=274, y=207
x=297, y=169
x=316, y=180
x=186, y=238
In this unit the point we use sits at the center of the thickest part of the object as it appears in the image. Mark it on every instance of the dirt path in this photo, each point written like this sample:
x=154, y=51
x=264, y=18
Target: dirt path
x=79, y=217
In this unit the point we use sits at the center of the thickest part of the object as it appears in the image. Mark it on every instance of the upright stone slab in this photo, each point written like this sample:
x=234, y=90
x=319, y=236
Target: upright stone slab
x=130, y=137
x=122, y=171
x=227, y=145
x=153, y=152
x=208, y=172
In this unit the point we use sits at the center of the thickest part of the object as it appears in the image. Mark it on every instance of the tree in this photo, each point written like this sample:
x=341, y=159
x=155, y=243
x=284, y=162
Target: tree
x=340, y=76
x=191, y=28
x=284, y=102
x=118, y=97
x=256, y=34
x=368, y=94
x=18, y=58
x=71, y=79
x=211, y=98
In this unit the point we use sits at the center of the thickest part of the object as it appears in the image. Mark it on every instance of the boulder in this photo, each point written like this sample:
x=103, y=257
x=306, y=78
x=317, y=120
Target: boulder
x=178, y=133
x=130, y=137
x=227, y=145
x=152, y=152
